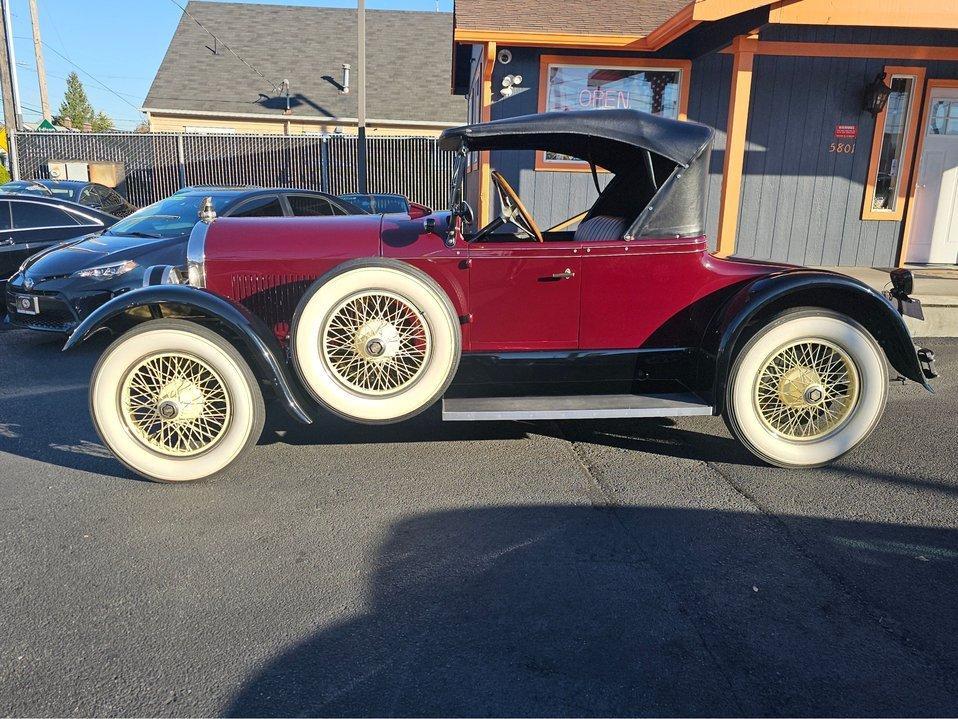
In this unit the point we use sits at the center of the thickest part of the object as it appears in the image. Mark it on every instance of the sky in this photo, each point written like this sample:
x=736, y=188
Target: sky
x=116, y=46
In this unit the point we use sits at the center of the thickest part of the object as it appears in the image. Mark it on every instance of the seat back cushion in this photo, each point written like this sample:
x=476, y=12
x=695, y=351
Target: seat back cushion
x=601, y=227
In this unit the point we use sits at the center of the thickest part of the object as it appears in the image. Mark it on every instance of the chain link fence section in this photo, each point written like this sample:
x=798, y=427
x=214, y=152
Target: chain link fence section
x=157, y=164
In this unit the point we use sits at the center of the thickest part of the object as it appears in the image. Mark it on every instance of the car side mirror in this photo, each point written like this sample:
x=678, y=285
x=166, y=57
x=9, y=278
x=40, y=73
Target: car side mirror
x=416, y=210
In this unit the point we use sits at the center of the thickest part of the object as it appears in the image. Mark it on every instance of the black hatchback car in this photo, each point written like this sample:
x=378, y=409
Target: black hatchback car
x=89, y=194
x=55, y=289
x=30, y=223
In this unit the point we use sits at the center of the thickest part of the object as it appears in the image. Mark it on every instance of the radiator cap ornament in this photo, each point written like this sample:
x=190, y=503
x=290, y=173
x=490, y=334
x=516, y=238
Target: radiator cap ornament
x=207, y=212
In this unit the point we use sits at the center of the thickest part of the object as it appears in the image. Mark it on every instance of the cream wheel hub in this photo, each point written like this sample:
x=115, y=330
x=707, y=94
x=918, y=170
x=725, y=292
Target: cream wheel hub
x=378, y=341
x=181, y=400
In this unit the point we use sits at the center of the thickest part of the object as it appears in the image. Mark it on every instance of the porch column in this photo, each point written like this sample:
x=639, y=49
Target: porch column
x=743, y=53
x=485, y=170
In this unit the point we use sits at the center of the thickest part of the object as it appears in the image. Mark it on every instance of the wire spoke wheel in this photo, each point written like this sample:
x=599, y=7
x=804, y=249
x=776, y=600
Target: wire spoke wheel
x=806, y=390
x=175, y=404
x=376, y=343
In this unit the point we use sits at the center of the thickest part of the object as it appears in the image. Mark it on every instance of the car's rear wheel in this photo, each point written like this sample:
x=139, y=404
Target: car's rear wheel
x=807, y=388
x=175, y=401
x=376, y=341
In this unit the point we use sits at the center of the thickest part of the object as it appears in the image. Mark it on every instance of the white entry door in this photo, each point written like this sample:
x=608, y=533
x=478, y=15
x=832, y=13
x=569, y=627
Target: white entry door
x=934, y=233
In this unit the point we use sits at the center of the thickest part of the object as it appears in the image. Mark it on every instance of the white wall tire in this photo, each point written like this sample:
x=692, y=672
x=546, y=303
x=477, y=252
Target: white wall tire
x=376, y=341
x=175, y=402
x=806, y=389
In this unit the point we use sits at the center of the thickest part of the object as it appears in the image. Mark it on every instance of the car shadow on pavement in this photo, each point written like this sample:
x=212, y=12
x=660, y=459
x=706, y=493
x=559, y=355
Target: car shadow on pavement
x=619, y=611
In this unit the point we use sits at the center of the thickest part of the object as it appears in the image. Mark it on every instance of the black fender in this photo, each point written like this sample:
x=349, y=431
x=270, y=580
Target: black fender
x=262, y=348
x=762, y=298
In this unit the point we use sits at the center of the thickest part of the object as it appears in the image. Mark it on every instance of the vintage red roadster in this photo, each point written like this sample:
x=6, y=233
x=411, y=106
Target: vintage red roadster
x=376, y=318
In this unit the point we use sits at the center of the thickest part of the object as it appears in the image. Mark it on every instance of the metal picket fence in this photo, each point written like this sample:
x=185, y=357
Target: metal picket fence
x=157, y=164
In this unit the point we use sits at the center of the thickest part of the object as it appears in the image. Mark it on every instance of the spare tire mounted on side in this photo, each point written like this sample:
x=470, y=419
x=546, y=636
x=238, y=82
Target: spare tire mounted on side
x=376, y=340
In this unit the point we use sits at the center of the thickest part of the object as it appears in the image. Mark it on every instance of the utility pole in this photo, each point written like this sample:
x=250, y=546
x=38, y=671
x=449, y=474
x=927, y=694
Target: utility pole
x=6, y=86
x=9, y=90
x=41, y=70
x=12, y=114
x=361, y=99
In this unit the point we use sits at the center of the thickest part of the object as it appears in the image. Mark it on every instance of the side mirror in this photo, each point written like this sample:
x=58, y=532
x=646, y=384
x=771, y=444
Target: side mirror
x=416, y=210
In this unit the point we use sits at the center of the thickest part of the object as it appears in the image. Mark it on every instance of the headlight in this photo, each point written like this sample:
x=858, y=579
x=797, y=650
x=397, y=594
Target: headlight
x=105, y=272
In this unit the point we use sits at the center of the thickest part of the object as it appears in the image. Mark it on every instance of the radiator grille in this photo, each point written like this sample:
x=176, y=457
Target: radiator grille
x=272, y=298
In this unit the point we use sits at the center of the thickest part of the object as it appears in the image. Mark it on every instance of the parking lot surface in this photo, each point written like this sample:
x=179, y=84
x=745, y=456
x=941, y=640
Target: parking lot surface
x=598, y=568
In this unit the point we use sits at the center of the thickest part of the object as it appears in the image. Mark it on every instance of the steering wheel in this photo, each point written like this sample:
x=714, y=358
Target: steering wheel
x=512, y=208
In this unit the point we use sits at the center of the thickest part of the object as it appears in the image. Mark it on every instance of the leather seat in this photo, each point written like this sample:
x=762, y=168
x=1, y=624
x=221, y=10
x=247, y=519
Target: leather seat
x=601, y=228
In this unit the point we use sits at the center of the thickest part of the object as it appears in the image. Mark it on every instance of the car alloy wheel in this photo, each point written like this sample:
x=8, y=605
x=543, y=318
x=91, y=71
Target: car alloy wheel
x=175, y=401
x=376, y=340
x=807, y=388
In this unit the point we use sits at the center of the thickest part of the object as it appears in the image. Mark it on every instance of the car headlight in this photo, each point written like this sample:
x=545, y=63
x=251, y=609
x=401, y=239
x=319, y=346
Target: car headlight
x=106, y=272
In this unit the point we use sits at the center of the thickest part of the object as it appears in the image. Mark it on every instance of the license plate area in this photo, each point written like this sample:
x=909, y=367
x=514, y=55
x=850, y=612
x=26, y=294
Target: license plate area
x=912, y=308
x=27, y=304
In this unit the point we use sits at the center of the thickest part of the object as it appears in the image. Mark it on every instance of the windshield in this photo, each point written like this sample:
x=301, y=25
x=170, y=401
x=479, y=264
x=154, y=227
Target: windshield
x=64, y=193
x=27, y=188
x=376, y=204
x=173, y=216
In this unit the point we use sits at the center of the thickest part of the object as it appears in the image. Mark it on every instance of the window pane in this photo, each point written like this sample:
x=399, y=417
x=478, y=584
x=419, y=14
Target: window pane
x=572, y=87
x=260, y=207
x=944, y=117
x=897, y=110
x=4, y=215
x=27, y=215
x=309, y=206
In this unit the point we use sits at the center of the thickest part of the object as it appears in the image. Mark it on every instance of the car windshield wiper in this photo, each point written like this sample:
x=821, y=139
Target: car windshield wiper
x=137, y=233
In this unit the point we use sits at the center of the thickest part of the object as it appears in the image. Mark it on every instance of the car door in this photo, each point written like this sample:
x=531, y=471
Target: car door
x=12, y=252
x=524, y=295
x=36, y=225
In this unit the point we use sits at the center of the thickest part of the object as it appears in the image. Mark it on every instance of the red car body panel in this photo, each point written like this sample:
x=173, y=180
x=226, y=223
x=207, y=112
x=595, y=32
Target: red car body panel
x=510, y=296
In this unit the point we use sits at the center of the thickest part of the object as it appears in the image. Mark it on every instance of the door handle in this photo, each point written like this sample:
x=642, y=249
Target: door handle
x=568, y=274
x=3, y=243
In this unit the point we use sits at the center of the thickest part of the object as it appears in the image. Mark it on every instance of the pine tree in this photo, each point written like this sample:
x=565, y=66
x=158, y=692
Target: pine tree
x=102, y=122
x=76, y=106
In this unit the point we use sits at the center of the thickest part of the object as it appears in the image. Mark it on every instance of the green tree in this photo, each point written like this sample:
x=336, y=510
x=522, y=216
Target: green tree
x=76, y=106
x=102, y=122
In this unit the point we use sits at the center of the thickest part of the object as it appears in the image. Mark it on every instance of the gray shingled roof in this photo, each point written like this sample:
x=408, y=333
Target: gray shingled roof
x=588, y=17
x=408, y=55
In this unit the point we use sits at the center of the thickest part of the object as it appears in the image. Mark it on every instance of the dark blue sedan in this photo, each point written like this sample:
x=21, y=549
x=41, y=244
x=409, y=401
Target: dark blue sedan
x=56, y=288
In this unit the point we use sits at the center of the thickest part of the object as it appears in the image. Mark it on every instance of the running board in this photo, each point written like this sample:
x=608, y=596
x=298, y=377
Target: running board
x=597, y=406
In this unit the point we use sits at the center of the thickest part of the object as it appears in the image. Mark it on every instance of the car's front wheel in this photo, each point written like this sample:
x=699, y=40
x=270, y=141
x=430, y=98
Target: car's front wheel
x=175, y=401
x=807, y=388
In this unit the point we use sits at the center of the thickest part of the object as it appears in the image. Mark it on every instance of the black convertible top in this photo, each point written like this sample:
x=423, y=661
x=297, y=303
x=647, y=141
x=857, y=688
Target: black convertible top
x=586, y=134
x=660, y=164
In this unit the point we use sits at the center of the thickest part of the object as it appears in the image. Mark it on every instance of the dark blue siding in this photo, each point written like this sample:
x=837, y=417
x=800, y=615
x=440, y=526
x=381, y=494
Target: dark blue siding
x=801, y=203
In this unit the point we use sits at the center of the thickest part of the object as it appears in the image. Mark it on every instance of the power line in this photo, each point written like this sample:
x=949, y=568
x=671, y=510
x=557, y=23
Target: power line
x=229, y=49
x=85, y=72
x=34, y=70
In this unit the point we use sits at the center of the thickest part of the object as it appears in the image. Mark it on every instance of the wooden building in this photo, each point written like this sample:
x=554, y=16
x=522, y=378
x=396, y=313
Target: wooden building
x=836, y=120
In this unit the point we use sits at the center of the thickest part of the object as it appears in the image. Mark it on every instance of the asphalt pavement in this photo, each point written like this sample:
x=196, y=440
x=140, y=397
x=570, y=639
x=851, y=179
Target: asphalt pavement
x=597, y=568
